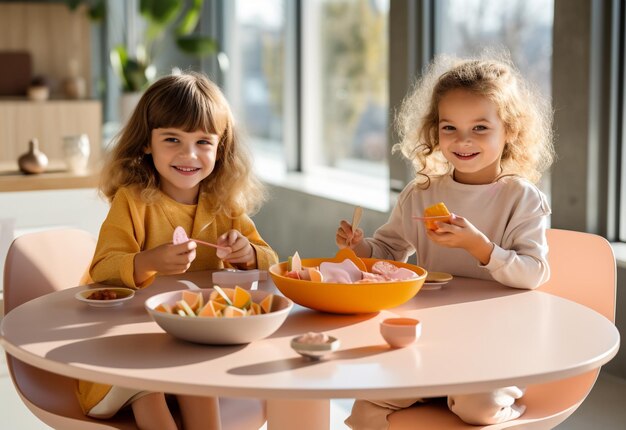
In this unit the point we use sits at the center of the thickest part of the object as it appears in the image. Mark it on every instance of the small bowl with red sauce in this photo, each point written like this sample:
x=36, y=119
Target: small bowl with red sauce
x=105, y=297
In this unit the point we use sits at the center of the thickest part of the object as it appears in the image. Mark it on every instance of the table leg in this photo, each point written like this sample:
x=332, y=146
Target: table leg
x=301, y=414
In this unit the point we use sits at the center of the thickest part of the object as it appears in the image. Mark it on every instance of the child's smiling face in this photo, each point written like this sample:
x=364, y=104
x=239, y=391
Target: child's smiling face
x=183, y=159
x=471, y=136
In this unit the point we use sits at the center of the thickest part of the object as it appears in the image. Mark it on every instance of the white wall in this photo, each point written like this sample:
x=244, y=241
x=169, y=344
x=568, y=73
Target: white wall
x=36, y=210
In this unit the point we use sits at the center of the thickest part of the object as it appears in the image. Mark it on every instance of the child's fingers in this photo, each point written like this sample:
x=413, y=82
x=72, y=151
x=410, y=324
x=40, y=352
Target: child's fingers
x=222, y=253
x=243, y=255
x=185, y=247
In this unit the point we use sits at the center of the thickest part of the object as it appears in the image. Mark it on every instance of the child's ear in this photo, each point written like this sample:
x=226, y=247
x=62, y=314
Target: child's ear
x=147, y=150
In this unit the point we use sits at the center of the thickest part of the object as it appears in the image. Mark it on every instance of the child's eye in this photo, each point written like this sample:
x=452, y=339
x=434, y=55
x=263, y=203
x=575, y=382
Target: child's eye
x=211, y=142
x=171, y=139
x=480, y=128
x=448, y=128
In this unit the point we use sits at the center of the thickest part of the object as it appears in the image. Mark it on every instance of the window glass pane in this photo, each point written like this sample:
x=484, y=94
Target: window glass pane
x=523, y=27
x=256, y=72
x=345, y=85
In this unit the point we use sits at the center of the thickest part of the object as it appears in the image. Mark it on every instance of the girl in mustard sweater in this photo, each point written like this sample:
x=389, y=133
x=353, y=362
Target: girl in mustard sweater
x=178, y=162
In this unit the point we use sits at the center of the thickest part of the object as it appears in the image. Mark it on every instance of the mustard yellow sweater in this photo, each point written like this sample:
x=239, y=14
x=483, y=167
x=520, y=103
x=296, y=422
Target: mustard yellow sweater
x=132, y=226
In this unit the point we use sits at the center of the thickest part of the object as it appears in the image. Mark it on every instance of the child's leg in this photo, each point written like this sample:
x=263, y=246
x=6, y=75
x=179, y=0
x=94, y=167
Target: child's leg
x=372, y=414
x=488, y=408
x=199, y=413
x=151, y=413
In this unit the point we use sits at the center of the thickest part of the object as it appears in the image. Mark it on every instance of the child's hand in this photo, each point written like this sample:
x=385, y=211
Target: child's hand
x=346, y=238
x=460, y=233
x=166, y=259
x=240, y=252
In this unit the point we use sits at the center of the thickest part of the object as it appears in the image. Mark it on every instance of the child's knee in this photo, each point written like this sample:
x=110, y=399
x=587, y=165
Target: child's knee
x=487, y=408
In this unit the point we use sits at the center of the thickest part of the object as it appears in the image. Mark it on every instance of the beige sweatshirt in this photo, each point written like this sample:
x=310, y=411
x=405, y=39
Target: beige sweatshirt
x=512, y=212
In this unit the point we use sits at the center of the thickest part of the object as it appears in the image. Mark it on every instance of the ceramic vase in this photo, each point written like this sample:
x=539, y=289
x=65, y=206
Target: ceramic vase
x=76, y=150
x=34, y=161
x=75, y=87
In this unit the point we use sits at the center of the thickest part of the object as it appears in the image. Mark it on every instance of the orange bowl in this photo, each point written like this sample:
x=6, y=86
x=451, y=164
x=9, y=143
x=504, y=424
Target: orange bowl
x=347, y=298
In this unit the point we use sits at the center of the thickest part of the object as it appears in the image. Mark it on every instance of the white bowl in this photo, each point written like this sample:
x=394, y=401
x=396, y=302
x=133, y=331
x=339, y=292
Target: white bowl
x=315, y=351
x=400, y=332
x=219, y=331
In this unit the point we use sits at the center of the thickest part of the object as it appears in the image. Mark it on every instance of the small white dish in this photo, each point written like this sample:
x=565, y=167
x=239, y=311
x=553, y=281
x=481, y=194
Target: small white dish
x=315, y=351
x=246, y=279
x=436, y=280
x=400, y=332
x=433, y=285
x=123, y=294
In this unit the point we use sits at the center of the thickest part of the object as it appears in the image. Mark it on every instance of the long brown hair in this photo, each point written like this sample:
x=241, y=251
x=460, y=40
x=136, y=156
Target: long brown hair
x=189, y=102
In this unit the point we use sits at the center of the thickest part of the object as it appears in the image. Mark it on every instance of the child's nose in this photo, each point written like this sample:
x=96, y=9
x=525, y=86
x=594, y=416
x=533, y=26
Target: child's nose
x=188, y=150
x=464, y=137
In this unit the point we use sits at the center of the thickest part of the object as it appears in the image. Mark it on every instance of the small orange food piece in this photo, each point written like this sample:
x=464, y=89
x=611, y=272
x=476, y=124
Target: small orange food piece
x=194, y=299
x=255, y=309
x=233, y=312
x=241, y=298
x=230, y=293
x=267, y=303
x=436, y=210
x=211, y=309
x=164, y=307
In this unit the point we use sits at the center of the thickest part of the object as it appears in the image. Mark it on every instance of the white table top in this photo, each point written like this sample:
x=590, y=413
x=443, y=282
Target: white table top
x=477, y=335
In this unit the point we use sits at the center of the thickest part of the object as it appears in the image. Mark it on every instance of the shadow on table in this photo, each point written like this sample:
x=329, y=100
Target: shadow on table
x=145, y=350
x=302, y=321
x=286, y=365
x=469, y=290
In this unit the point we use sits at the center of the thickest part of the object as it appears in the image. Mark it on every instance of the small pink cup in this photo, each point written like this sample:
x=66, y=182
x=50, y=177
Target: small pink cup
x=400, y=332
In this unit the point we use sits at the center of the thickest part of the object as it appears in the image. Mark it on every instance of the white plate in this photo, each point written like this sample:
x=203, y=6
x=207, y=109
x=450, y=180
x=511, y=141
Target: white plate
x=126, y=294
x=315, y=351
x=433, y=285
x=436, y=280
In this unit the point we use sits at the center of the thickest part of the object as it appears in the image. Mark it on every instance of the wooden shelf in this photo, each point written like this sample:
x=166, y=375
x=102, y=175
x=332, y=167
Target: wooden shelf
x=55, y=178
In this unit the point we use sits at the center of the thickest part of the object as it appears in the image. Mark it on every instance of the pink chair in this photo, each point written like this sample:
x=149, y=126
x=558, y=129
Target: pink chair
x=551, y=403
x=44, y=262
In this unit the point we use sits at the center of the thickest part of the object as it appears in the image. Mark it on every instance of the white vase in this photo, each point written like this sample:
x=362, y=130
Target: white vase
x=128, y=103
x=77, y=150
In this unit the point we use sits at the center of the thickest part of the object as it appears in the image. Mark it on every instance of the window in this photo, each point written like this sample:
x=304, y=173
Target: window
x=255, y=45
x=345, y=96
x=308, y=82
x=524, y=28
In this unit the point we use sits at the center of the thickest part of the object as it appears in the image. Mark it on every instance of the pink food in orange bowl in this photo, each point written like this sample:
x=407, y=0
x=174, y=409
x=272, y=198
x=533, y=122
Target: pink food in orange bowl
x=337, y=288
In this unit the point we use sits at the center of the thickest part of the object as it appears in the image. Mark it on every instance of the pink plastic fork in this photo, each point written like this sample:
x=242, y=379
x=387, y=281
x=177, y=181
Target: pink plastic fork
x=213, y=245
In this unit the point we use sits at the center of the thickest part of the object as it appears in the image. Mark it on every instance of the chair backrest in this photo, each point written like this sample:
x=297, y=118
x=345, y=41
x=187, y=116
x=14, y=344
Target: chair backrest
x=42, y=262
x=582, y=267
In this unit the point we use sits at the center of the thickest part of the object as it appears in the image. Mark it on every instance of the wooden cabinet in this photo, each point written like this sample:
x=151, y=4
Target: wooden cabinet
x=49, y=121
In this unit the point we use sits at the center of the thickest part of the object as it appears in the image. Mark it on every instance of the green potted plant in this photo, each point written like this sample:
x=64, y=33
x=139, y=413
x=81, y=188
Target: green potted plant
x=136, y=72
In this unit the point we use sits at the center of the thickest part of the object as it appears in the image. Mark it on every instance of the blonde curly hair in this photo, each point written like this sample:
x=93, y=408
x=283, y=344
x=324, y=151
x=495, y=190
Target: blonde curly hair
x=189, y=102
x=526, y=115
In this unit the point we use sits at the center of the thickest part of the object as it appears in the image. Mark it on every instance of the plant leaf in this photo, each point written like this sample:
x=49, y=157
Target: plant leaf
x=190, y=20
x=161, y=12
x=197, y=45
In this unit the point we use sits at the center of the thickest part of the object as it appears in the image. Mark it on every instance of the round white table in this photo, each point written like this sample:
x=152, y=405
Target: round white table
x=477, y=336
